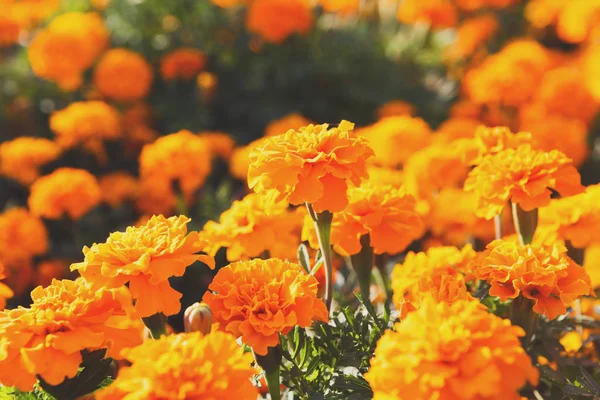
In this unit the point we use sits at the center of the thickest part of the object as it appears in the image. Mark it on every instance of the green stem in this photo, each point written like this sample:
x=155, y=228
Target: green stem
x=322, y=222
x=498, y=225
x=270, y=363
x=525, y=223
x=362, y=264
x=522, y=314
x=157, y=324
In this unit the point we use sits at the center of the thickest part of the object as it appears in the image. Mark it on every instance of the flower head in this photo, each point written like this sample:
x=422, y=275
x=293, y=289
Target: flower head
x=259, y=299
x=185, y=366
x=276, y=20
x=395, y=108
x=220, y=144
x=123, y=75
x=118, y=187
x=489, y=141
x=472, y=34
x=145, y=257
x=66, y=317
x=340, y=6
x=239, y=163
x=438, y=13
x=451, y=351
x=68, y=191
x=22, y=236
x=543, y=274
x=313, y=165
x=22, y=158
x=184, y=63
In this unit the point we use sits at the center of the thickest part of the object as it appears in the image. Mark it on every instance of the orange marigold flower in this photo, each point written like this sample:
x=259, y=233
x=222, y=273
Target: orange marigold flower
x=66, y=317
x=451, y=351
x=285, y=123
x=67, y=47
x=123, y=75
x=228, y=3
x=543, y=274
x=184, y=63
x=22, y=236
x=395, y=139
x=220, y=144
x=385, y=176
x=22, y=158
x=145, y=257
x=575, y=21
x=68, y=191
x=437, y=272
x=155, y=197
x=255, y=225
x=85, y=123
x=276, y=20
x=259, y=299
x=180, y=157
x=48, y=270
x=20, y=276
x=471, y=35
x=9, y=30
x=312, y=165
x=493, y=140
x=437, y=13
x=592, y=264
x=239, y=163
x=472, y=5
x=5, y=291
x=118, y=187
x=396, y=108
x=456, y=128
x=340, y=6
x=575, y=218
x=185, y=366
x=522, y=175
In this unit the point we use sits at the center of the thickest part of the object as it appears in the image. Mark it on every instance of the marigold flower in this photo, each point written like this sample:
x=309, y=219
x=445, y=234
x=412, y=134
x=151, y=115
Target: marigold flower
x=285, y=123
x=471, y=35
x=312, y=165
x=522, y=175
x=451, y=351
x=22, y=236
x=22, y=158
x=5, y=291
x=239, y=163
x=184, y=63
x=185, y=366
x=19, y=276
x=155, y=197
x=255, y=225
x=395, y=139
x=220, y=144
x=259, y=299
x=437, y=13
x=589, y=66
x=456, y=128
x=493, y=140
x=48, y=270
x=340, y=6
x=9, y=31
x=543, y=274
x=123, y=75
x=228, y=3
x=66, y=317
x=574, y=20
x=68, y=191
x=396, y=108
x=145, y=257
x=118, y=187
x=439, y=272
x=472, y=5
x=385, y=176
x=276, y=20
x=67, y=47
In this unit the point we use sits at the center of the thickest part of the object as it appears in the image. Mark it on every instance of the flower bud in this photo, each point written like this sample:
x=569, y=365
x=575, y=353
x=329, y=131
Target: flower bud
x=197, y=318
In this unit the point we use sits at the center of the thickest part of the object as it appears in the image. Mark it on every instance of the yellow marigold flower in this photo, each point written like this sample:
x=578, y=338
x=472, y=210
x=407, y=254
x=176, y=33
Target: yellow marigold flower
x=68, y=191
x=180, y=157
x=471, y=35
x=285, y=123
x=185, y=366
x=437, y=13
x=9, y=30
x=19, y=276
x=123, y=75
x=66, y=317
x=522, y=175
x=385, y=176
x=22, y=236
x=575, y=218
x=220, y=144
x=85, y=123
x=340, y=6
x=5, y=291
x=22, y=158
x=543, y=274
x=395, y=139
x=67, y=47
x=184, y=63
x=575, y=20
x=118, y=187
x=259, y=299
x=255, y=225
x=493, y=140
x=155, y=196
x=145, y=257
x=396, y=108
x=312, y=165
x=451, y=351
x=472, y=5
x=437, y=272
x=239, y=163
x=276, y=20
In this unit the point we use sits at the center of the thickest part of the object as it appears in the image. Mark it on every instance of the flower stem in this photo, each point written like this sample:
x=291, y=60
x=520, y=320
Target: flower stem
x=270, y=363
x=362, y=264
x=498, y=225
x=156, y=324
x=522, y=314
x=322, y=222
x=525, y=223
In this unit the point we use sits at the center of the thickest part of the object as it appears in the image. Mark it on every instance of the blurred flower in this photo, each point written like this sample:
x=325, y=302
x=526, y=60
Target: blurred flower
x=155, y=197
x=207, y=83
x=395, y=108
x=522, y=175
x=123, y=75
x=118, y=187
x=437, y=13
x=456, y=128
x=22, y=158
x=312, y=165
x=259, y=299
x=67, y=47
x=185, y=366
x=66, y=317
x=68, y=191
x=340, y=6
x=590, y=59
x=575, y=20
x=5, y=291
x=543, y=274
x=48, y=270
x=145, y=257
x=239, y=163
x=22, y=236
x=592, y=264
x=471, y=35
x=439, y=272
x=184, y=63
x=395, y=139
x=385, y=176
x=20, y=276
x=276, y=20
x=489, y=141
x=285, y=123
x=253, y=226
x=472, y=5
x=451, y=351
x=9, y=31
x=220, y=144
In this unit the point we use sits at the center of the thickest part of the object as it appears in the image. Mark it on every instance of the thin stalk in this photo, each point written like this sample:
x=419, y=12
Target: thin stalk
x=498, y=225
x=525, y=223
x=522, y=314
x=362, y=264
x=322, y=222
